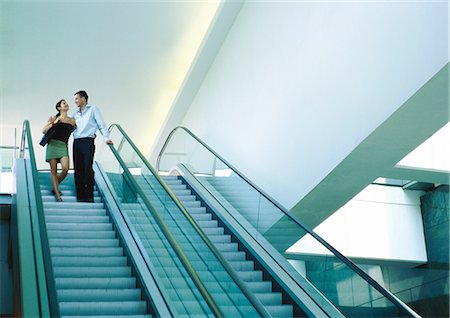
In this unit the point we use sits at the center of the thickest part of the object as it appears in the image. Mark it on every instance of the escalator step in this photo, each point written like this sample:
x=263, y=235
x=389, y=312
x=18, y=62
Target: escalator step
x=76, y=212
x=76, y=219
x=79, y=226
x=96, y=271
x=83, y=242
x=86, y=251
x=79, y=295
x=54, y=234
x=66, y=198
x=103, y=308
x=72, y=205
x=89, y=261
x=95, y=283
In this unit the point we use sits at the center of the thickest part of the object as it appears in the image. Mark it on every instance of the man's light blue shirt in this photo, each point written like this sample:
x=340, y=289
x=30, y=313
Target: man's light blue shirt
x=88, y=122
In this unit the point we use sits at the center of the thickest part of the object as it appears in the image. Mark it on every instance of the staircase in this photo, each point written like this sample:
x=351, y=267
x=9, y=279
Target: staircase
x=92, y=275
x=237, y=195
x=230, y=251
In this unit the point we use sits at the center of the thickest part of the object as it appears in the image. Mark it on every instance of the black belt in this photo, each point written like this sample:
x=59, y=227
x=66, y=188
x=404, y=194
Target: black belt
x=85, y=138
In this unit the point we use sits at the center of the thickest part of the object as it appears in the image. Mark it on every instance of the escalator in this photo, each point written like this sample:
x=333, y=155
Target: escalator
x=79, y=249
x=169, y=247
x=265, y=231
x=73, y=259
x=92, y=274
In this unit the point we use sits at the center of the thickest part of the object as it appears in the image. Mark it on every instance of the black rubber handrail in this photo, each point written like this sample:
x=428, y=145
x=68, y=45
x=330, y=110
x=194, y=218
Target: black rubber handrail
x=48, y=266
x=405, y=309
x=250, y=296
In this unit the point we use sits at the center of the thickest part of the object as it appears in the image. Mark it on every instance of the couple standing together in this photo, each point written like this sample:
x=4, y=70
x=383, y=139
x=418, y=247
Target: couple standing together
x=84, y=124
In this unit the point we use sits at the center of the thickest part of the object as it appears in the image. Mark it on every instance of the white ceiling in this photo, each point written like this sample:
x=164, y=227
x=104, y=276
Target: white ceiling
x=131, y=58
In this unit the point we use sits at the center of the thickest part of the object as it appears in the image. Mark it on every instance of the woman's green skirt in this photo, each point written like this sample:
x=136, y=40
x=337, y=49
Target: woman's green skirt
x=56, y=149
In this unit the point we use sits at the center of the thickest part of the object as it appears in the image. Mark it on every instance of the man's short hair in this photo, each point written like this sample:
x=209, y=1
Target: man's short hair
x=82, y=94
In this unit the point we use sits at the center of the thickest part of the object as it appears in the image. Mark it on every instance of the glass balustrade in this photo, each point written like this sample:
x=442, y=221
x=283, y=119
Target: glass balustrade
x=276, y=230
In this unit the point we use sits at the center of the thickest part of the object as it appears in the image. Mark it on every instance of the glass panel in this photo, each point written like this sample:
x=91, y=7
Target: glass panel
x=173, y=280
x=7, y=156
x=275, y=231
x=171, y=271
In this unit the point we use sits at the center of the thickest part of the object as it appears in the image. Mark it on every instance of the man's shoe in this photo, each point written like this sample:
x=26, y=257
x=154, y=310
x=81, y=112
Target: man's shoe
x=91, y=200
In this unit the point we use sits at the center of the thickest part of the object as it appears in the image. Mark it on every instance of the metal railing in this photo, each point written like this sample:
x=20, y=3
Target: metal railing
x=392, y=298
x=45, y=277
x=250, y=296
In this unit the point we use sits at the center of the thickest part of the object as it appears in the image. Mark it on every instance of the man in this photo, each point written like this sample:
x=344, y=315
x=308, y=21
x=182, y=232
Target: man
x=88, y=119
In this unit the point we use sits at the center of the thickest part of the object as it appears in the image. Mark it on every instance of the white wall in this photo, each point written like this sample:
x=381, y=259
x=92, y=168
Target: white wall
x=297, y=86
x=433, y=154
x=381, y=223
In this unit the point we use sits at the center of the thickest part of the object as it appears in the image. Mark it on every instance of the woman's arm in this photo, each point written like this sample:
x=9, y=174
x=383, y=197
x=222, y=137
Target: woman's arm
x=48, y=125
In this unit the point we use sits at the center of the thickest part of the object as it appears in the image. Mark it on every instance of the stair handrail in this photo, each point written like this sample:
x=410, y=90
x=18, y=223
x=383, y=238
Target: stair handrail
x=386, y=293
x=250, y=296
x=26, y=138
x=178, y=250
x=159, y=305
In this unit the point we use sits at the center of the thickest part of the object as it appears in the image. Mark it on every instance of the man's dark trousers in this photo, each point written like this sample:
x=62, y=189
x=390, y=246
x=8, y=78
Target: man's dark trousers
x=83, y=159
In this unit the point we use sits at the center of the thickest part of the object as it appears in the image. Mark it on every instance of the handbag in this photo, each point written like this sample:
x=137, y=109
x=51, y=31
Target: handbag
x=47, y=136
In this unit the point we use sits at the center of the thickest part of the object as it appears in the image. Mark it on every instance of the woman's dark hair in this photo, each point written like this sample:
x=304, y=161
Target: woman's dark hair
x=58, y=105
x=82, y=94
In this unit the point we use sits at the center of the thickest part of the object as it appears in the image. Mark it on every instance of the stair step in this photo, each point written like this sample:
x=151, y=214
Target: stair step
x=78, y=295
x=76, y=212
x=250, y=276
x=202, y=217
x=51, y=198
x=196, y=210
x=76, y=219
x=242, y=265
x=103, y=308
x=89, y=261
x=208, y=224
x=86, y=251
x=97, y=271
x=186, y=198
x=260, y=287
x=234, y=256
x=65, y=186
x=220, y=238
x=79, y=226
x=73, y=205
x=270, y=299
x=95, y=283
x=67, y=192
x=281, y=310
x=227, y=247
x=82, y=242
x=71, y=234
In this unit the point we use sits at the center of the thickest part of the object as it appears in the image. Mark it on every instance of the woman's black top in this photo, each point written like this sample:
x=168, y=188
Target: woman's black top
x=62, y=131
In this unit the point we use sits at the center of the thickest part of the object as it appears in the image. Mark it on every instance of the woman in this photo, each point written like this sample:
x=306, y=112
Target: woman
x=57, y=150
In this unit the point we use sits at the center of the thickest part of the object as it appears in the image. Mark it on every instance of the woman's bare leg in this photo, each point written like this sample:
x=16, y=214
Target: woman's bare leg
x=54, y=178
x=65, y=165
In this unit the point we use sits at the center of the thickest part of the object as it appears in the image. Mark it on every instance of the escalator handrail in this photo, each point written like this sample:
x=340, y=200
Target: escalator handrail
x=123, y=223
x=178, y=250
x=294, y=218
x=45, y=245
x=250, y=296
